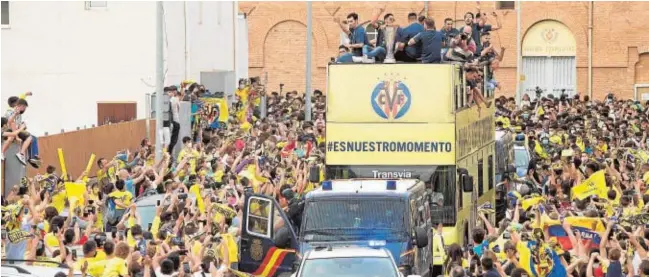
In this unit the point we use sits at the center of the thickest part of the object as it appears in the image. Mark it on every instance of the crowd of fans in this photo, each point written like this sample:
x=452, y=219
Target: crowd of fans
x=195, y=228
x=579, y=210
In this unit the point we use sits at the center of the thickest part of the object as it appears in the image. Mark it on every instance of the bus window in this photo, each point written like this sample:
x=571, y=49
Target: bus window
x=480, y=177
x=490, y=171
x=442, y=202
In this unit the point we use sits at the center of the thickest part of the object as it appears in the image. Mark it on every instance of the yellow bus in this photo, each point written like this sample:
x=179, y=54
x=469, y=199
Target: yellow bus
x=411, y=121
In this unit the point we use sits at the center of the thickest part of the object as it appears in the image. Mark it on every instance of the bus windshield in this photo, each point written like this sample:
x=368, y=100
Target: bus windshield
x=358, y=218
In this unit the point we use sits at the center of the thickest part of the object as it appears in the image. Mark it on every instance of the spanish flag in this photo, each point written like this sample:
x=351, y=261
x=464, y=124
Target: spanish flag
x=594, y=185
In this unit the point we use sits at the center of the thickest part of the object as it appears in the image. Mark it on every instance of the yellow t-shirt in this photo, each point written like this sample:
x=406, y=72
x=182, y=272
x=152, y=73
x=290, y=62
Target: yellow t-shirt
x=115, y=267
x=103, y=174
x=192, y=161
x=46, y=226
x=99, y=221
x=232, y=248
x=196, y=248
x=195, y=189
x=218, y=176
x=130, y=240
x=124, y=196
x=58, y=201
x=51, y=240
x=243, y=94
x=96, y=265
x=101, y=255
x=155, y=226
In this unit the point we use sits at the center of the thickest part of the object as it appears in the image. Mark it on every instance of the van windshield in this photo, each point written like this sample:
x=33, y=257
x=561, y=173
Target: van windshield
x=355, y=219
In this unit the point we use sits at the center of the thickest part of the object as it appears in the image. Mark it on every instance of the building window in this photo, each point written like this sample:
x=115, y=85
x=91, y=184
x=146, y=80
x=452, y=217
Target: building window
x=371, y=32
x=96, y=4
x=506, y=5
x=5, y=12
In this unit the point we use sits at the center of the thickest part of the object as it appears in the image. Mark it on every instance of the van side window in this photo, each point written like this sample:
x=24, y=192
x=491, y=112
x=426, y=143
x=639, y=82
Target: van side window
x=490, y=171
x=259, y=217
x=480, y=177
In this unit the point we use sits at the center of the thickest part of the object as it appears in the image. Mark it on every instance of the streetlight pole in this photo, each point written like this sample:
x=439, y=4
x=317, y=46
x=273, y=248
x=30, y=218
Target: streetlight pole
x=519, y=53
x=159, y=79
x=307, y=100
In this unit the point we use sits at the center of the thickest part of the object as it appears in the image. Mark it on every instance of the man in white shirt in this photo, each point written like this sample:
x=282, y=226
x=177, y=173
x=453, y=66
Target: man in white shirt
x=174, y=117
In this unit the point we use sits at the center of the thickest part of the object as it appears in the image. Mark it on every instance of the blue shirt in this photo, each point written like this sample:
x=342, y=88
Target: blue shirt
x=130, y=186
x=447, y=36
x=357, y=35
x=410, y=32
x=430, y=42
x=480, y=248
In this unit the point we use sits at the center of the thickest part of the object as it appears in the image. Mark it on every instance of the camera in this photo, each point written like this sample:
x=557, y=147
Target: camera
x=464, y=37
x=22, y=188
x=182, y=196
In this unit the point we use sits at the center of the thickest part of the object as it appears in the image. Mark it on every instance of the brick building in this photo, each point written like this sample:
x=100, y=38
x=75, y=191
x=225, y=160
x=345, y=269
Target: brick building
x=555, y=36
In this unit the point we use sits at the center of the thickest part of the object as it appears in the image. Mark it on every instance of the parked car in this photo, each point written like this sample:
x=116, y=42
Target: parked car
x=16, y=268
x=348, y=261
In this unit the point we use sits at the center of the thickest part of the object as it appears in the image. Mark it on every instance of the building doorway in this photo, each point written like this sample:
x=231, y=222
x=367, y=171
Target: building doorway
x=549, y=61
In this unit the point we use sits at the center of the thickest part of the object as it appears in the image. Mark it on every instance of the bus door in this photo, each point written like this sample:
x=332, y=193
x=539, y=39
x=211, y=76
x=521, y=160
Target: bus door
x=268, y=241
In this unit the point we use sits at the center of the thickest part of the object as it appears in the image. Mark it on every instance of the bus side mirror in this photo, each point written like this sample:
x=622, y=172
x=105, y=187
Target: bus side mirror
x=467, y=183
x=421, y=237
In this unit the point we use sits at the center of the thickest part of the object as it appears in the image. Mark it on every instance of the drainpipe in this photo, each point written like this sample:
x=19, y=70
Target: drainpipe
x=590, y=51
x=235, y=21
x=185, y=17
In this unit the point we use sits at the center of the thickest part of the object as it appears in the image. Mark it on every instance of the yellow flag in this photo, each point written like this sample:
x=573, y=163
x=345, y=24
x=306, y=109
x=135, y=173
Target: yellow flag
x=594, y=185
x=223, y=111
x=75, y=192
x=529, y=202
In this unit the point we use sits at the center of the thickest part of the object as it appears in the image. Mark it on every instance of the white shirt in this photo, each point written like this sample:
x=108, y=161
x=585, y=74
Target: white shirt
x=175, y=108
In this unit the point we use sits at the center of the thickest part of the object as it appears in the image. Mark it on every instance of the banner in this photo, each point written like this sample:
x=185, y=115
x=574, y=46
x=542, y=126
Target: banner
x=224, y=210
x=390, y=144
x=588, y=227
x=594, y=185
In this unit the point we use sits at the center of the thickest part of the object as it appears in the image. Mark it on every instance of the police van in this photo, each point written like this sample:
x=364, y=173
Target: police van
x=391, y=214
